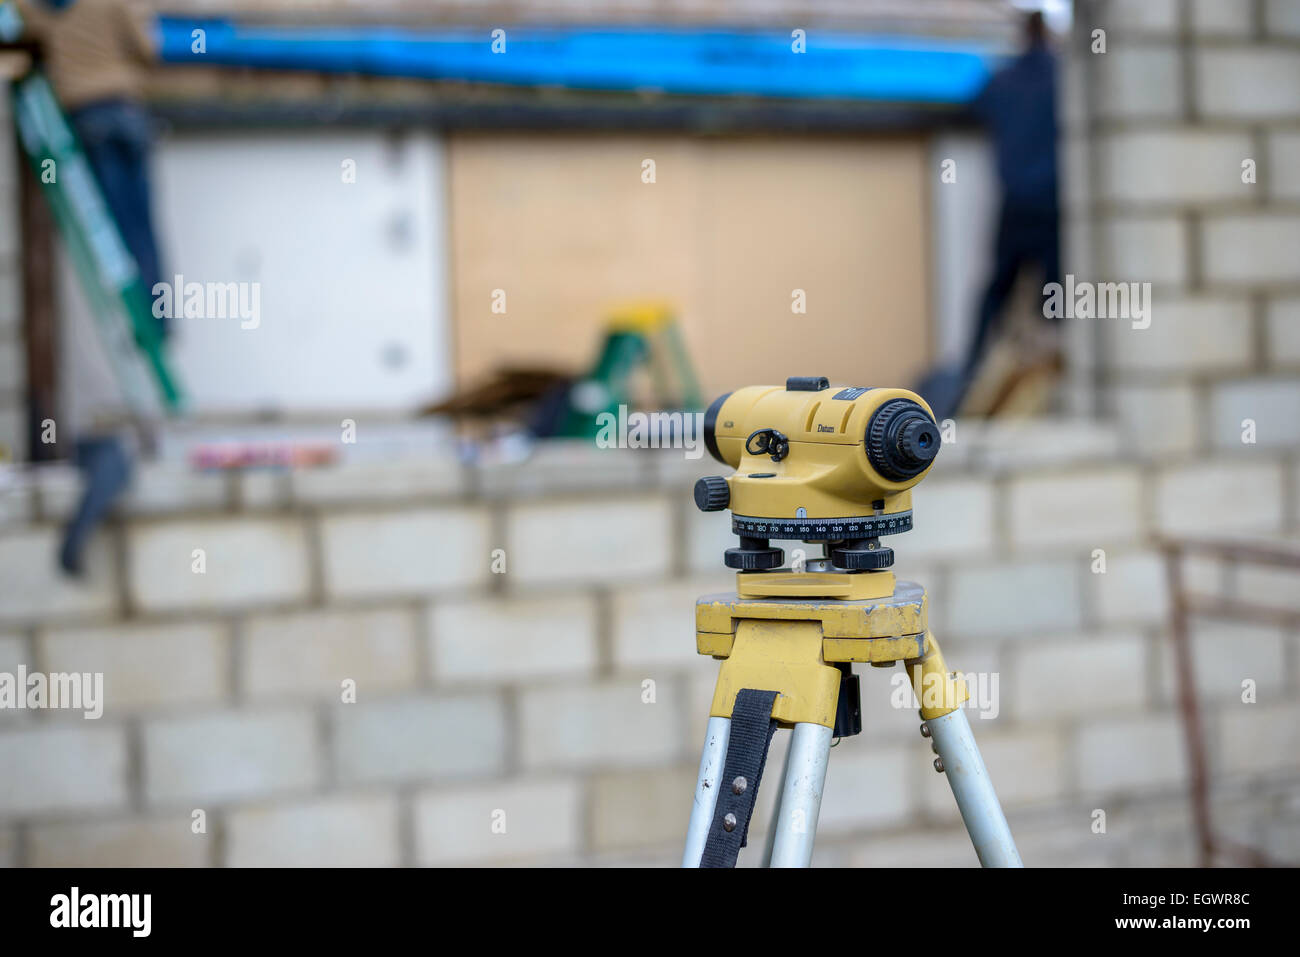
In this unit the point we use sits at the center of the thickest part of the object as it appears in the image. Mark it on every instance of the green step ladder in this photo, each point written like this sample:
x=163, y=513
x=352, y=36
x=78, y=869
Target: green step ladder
x=104, y=266
x=636, y=335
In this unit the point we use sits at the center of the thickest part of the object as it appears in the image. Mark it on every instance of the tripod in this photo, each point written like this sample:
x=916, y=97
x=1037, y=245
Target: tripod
x=787, y=641
x=833, y=466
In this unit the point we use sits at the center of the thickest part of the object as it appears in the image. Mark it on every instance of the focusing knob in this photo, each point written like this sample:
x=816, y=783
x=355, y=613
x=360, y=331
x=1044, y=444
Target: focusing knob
x=902, y=440
x=712, y=493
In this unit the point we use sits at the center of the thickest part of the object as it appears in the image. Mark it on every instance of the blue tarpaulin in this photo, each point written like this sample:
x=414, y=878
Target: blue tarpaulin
x=686, y=61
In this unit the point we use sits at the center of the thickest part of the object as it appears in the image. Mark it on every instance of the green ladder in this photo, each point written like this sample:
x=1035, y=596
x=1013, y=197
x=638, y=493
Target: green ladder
x=104, y=266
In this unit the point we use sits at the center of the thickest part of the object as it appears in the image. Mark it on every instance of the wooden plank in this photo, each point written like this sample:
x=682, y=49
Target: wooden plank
x=730, y=228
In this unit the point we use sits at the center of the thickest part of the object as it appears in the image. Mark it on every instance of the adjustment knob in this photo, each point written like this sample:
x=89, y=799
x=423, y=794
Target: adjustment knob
x=861, y=557
x=712, y=493
x=760, y=558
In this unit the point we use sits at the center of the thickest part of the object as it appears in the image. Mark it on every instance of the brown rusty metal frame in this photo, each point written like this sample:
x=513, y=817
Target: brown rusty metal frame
x=1182, y=606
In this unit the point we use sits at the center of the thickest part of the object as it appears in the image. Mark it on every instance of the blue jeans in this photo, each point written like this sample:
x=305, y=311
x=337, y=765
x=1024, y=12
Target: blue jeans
x=116, y=136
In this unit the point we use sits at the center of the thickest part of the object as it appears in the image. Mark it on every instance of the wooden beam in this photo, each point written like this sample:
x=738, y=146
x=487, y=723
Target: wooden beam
x=40, y=320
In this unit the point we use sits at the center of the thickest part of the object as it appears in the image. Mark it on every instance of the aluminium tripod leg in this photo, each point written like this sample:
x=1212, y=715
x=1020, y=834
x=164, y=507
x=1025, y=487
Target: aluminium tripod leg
x=942, y=695
x=801, y=795
x=763, y=655
x=774, y=822
x=712, y=761
x=973, y=790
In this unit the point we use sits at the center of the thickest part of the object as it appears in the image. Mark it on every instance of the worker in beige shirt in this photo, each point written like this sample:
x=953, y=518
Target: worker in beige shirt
x=96, y=54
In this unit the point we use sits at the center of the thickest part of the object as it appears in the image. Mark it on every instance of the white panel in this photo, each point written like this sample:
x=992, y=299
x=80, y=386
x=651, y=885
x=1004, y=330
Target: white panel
x=353, y=298
x=353, y=310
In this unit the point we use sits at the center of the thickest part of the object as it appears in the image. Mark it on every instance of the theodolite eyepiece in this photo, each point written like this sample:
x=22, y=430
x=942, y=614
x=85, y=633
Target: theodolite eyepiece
x=819, y=464
x=902, y=440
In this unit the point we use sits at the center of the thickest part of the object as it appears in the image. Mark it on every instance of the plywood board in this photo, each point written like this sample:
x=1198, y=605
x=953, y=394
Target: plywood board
x=565, y=226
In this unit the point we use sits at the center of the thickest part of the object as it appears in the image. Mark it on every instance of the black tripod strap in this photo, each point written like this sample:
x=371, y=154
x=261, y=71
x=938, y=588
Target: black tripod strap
x=752, y=726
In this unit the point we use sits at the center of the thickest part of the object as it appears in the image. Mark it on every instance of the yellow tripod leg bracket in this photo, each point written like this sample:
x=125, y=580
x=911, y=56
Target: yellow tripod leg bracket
x=939, y=690
x=785, y=657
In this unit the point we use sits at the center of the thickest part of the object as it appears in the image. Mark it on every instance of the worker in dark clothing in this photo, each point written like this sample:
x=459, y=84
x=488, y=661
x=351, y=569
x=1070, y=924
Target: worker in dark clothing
x=1018, y=105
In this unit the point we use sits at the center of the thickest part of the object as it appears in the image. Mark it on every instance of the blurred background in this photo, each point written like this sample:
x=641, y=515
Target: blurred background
x=338, y=529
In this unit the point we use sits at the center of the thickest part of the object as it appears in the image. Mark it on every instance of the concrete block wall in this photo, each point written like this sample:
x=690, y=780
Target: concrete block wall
x=1194, y=127
x=349, y=680
x=520, y=639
